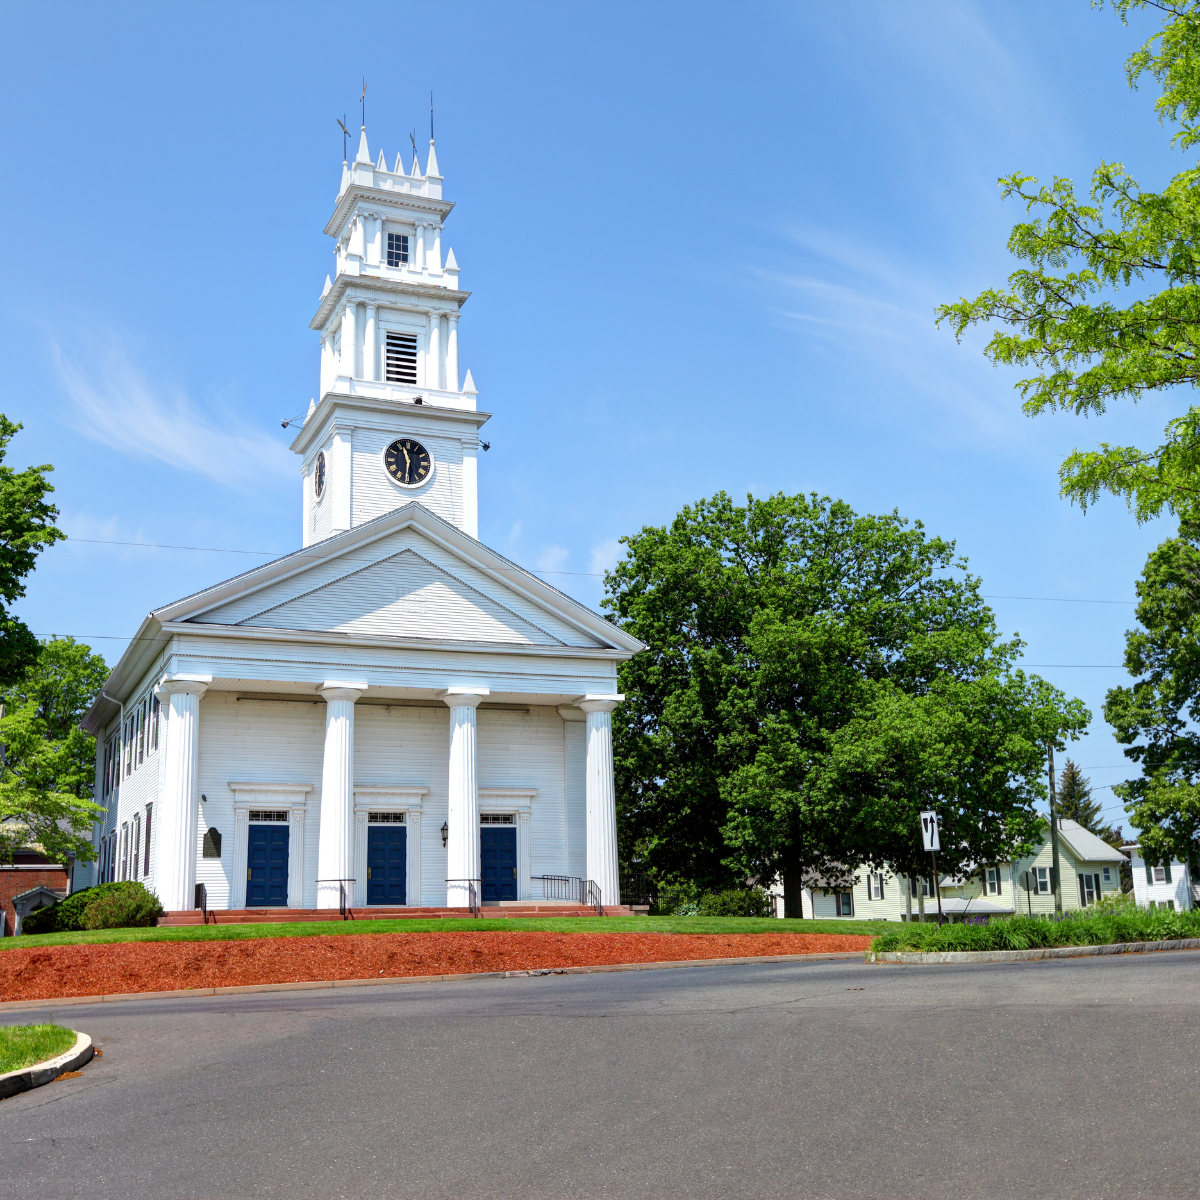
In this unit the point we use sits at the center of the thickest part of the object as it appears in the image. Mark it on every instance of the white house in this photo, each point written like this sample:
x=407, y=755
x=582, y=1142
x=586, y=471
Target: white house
x=1168, y=885
x=1090, y=867
x=395, y=711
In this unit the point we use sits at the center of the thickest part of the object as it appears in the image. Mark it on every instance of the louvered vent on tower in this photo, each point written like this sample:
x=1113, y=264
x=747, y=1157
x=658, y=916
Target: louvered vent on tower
x=401, y=366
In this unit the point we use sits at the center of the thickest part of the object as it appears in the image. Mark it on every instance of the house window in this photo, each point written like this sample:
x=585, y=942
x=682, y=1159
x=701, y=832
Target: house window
x=875, y=886
x=925, y=886
x=397, y=250
x=269, y=816
x=400, y=354
x=1158, y=874
x=136, y=842
x=146, y=868
x=1041, y=880
x=1089, y=886
x=1108, y=875
x=497, y=819
x=385, y=818
x=125, y=851
x=844, y=902
x=154, y=723
x=993, y=881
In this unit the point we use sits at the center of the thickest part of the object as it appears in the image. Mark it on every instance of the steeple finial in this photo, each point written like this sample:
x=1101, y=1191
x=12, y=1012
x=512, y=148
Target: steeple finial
x=363, y=155
x=431, y=167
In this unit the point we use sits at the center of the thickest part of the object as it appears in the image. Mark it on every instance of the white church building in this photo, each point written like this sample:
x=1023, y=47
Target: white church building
x=394, y=715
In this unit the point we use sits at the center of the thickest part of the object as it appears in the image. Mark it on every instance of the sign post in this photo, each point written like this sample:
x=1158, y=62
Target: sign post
x=929, y=836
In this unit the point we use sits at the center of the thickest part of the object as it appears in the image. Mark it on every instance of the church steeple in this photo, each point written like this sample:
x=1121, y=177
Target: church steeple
x=389, y=375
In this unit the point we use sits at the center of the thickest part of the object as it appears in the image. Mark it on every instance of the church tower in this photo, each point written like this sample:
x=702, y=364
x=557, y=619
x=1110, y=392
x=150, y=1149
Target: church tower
x=394, y=422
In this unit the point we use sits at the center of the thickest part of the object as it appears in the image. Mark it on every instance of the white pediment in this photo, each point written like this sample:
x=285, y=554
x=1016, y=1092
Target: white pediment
x=404, y=584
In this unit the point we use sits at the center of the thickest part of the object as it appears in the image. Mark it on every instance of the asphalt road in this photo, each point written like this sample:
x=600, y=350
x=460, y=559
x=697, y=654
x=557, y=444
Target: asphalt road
x=1070, y=1078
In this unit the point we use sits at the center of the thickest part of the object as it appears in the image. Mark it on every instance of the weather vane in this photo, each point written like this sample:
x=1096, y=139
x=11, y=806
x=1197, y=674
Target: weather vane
x=431, y=116
x=345, y=134
x=363, y=101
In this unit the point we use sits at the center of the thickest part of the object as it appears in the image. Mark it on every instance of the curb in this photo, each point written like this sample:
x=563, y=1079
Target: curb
x=13, y=1082
x=989, y=956
x=315, y=985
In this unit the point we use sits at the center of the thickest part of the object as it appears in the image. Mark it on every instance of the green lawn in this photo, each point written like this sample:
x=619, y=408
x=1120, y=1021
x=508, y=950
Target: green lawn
x=218, y=933
x=24, y=1045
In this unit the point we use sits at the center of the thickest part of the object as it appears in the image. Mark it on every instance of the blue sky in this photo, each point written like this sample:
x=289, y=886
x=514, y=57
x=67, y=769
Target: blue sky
x=705, y=243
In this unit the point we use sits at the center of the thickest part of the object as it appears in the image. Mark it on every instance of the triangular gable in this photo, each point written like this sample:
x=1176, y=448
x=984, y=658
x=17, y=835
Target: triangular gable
x=401, y=585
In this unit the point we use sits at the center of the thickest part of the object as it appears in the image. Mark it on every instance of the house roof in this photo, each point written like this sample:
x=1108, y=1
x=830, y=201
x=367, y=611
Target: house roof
x=1086, y=845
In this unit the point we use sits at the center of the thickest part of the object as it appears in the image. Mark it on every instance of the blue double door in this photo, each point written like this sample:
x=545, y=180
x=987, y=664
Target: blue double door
x=498, y=862
x=387, y=864
x=267, y=862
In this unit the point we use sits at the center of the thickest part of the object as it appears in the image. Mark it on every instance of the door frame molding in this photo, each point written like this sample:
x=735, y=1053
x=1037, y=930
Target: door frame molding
x=519, y=802
x=407, y=798
x=290, y=796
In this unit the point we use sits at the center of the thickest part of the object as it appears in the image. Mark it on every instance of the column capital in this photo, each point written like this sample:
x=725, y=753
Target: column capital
x=464, y=697
x=599, y=704
x=342, y=689
x=170, y=685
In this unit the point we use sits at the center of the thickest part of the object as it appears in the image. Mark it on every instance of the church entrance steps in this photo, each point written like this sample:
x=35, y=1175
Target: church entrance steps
x=246, y=916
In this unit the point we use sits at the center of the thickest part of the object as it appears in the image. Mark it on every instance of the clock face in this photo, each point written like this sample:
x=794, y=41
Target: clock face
x=407, y=462
x=319, y=475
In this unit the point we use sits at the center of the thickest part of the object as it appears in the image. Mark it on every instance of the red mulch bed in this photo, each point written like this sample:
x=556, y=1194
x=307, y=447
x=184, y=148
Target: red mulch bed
x=49, y=972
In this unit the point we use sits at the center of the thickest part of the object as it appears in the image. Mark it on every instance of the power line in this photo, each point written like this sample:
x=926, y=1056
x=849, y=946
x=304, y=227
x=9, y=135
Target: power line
x=586, y=574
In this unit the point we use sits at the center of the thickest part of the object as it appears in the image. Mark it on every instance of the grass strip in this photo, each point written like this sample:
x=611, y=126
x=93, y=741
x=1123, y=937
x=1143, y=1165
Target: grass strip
x=1037, y=933
x=25, y=1045
x=222, y=933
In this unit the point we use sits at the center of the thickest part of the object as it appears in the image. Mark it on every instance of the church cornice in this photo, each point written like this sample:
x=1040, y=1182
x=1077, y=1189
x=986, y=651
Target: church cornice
x=333, y=404
x=371, y=287
x=401, y=201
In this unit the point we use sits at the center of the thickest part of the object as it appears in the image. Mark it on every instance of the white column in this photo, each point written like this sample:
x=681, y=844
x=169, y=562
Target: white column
x=176, y=814
x=524, y=856
x=452, y=354
x=339, y=479
x=420, y=253
x=435, y=252
x=370, y=349
x=328, y=364
x=375, y=255
x=601, y=797
x=470, y=486
x=349, y=338
x=433, y=359
x=335, y=849
x=462, y=846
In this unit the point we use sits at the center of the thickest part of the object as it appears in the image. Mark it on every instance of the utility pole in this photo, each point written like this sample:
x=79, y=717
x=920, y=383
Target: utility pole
x=1054, y=834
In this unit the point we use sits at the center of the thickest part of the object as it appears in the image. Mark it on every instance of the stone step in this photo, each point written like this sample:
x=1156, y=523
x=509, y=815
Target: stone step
x=243, y=916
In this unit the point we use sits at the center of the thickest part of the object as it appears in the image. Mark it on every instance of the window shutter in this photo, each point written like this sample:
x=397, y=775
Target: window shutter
x=149, y=808
x=1149, y=875
x=1167, y=869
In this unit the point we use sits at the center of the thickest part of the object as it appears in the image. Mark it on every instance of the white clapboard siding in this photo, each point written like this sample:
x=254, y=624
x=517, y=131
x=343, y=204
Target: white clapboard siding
x=360, y=590
x=404, y=745
x=376, y=493
x=526, y=750
x=264, y=742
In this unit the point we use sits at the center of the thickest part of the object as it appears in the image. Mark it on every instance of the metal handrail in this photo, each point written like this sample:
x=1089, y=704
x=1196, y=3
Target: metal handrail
x=559, y=887
x=346, y=911
x=590, y=895
x=472, y=894
x=202, y=900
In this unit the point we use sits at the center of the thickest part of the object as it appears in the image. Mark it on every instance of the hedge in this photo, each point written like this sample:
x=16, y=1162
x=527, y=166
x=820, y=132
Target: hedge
x=119, y=905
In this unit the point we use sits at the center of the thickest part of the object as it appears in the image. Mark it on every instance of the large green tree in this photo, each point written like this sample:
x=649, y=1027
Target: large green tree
x=26, y=529
x=1108, y=307
x=48, y=771
x=772, y=628
x=1158, y=717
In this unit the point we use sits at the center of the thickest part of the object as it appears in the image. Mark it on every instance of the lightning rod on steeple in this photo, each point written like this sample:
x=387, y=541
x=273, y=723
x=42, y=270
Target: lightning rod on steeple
x=431, y=116
x=345, y=134
x=363, y=101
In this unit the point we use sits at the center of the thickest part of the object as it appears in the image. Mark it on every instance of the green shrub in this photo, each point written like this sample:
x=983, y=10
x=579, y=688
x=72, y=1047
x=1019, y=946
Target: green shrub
x=735, y=902
x=72, y=914
x=132, y=908
x=1101, y=925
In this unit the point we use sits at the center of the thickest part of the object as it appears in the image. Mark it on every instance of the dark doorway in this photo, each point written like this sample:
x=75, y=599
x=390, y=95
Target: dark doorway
x=267, y=878
x=498, y=857
x=387, y=864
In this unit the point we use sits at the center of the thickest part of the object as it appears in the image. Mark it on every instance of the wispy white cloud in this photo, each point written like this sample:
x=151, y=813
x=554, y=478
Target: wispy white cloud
x=118, y=405
x=552, y=558
x=605, y=555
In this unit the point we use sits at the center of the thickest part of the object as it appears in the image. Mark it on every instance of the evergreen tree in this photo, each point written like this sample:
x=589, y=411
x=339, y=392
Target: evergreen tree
x=1075, y=798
